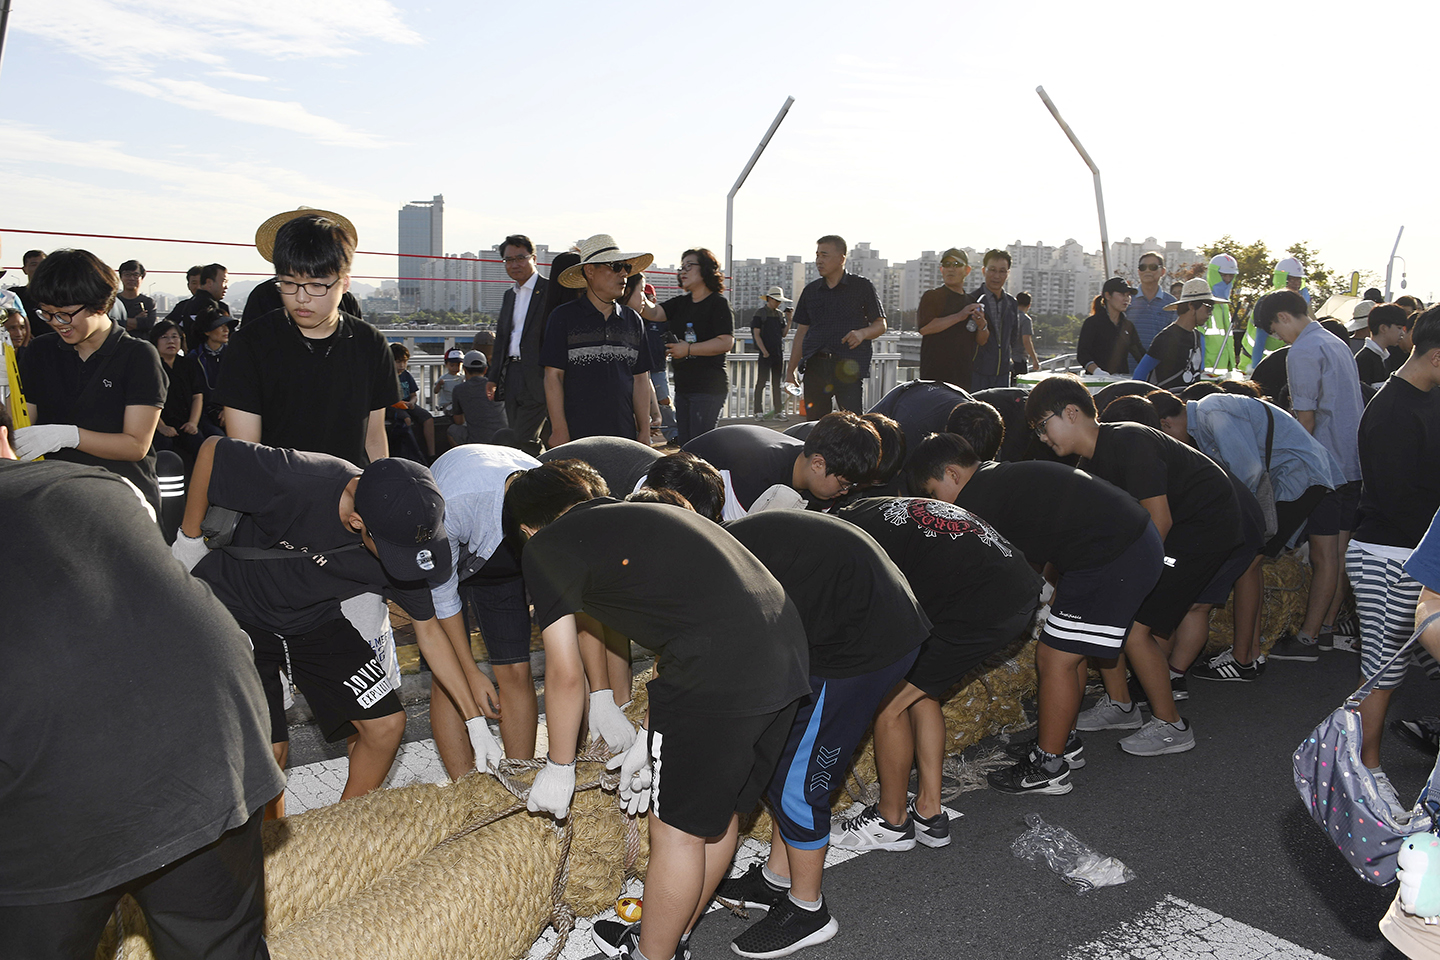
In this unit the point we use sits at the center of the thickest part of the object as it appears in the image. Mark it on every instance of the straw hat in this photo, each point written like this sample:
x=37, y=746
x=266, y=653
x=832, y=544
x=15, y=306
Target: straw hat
x=602, y=248
x=777, y=292
x=265, y=234
x=1196, y=290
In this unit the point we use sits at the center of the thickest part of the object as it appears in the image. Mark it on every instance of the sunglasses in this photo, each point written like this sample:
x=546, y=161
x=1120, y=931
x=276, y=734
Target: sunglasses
x=952, y=263
x=1149, y=266
x=622, y=267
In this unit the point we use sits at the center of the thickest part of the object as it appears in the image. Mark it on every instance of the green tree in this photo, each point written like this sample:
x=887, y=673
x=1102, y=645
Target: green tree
x=1323, y=281
x=1255, y=263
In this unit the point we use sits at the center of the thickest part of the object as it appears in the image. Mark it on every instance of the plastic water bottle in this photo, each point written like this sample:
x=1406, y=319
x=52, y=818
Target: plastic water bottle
x=690, y=333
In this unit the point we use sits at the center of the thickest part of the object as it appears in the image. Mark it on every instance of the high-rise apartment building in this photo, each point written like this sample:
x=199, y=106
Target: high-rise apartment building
x=422, y=234
x=750, y=279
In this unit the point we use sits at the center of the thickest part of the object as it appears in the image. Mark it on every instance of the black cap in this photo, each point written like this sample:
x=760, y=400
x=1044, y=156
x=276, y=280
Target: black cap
x=1119, y=285
x=405, y=514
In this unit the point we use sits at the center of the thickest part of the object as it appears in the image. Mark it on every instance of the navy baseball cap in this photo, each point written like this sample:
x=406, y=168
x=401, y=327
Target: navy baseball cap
x=405, y=514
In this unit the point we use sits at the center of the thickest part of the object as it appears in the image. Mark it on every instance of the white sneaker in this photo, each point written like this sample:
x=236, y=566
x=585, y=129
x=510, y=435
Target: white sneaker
x=1386, y=789
x=1108, y=715
x=870, y=831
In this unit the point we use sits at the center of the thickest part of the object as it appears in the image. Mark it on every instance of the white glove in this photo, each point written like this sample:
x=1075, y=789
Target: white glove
x=610, y=721
x=1047, y=592
x=488, y=753
x=188, y=550
x=552, y=790
x=635, y=775
x=33, y=442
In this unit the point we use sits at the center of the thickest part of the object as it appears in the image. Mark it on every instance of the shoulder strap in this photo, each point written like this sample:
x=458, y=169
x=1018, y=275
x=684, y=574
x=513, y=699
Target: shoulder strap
x=1269, y=434
x=1369, y=684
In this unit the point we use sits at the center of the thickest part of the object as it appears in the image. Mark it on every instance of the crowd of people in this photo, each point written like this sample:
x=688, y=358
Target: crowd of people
x=855, y=568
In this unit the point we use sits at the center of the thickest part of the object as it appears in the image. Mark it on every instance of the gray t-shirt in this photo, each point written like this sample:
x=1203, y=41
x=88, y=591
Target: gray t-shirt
x=1323, y=378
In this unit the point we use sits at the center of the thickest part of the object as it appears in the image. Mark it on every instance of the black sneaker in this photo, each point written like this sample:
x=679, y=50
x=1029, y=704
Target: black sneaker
x=751, y=889
x=1224, y=666
x=1291, y=647
x=617, y=939
x=1424, y=732
x=1137, y=692
x=931, y=831
x=1074, y=751
x=785, y=930
x=1027, y=776
x=1178, y=688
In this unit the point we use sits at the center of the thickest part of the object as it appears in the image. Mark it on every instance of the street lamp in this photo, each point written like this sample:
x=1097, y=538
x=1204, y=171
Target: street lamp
x=1390, y=265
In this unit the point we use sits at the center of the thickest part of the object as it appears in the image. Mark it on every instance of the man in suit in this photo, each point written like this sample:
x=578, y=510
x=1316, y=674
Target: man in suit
x=515, y=375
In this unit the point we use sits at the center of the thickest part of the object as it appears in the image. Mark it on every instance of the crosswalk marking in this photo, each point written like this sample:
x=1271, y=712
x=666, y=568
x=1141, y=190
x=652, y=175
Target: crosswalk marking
x=1176, y=929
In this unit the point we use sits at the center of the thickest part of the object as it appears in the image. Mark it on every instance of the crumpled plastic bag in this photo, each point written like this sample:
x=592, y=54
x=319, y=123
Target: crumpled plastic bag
x=1079, y=866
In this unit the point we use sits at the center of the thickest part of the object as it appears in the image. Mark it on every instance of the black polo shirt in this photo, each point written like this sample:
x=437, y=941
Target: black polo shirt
x=186, y=380
x=310, y=394
x=141, y=310
x=600, y=356
x=828, y=313
x=126, y=372
x=194, y=316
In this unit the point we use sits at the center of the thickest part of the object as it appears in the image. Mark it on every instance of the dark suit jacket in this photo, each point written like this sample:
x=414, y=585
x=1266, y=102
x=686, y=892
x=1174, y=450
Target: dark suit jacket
x=529, y=342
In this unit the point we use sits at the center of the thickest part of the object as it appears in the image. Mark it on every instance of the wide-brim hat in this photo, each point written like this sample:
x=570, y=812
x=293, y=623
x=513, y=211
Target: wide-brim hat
x=1195, y=290
x=1360, y=319
x=602, y=248
x=777, y=293
x=265, y=233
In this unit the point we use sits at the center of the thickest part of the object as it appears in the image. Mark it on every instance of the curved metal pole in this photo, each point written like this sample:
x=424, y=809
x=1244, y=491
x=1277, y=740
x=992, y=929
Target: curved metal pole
x=1390, y=265
x=1099, y=197
x=730, y=197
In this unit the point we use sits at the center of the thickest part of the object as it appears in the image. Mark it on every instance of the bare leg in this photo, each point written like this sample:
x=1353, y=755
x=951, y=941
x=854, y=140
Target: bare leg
x=1372, y=725
x=452, y=740
x=1059, y=696
x=895, y=749
x=275, y=809
x=1325, y=561
x=519, y=711
x=1152, y=671
x=1189, y=638
x=1249, y=600
x=372, y=751
x=1113, y=674
x=928, y=729
x=1342, y=583
x=617, y=666
x=429, y=430
x=673, y=885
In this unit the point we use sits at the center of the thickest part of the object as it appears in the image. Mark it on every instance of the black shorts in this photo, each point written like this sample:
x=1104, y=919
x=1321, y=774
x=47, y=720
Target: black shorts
x=503, y=614
x=1335, y=512
x=708, y=769
x=1290, y=516
x=334, y=667
x=943, y=662
x=1093, y=608
x=1181, y=582
x=1217, y=591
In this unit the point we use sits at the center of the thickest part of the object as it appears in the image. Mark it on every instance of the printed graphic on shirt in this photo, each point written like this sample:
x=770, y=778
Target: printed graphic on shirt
x=935, y=517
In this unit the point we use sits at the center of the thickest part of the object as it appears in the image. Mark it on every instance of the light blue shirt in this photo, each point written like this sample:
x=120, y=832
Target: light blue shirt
x=1424, y=563
x=1323, y=378
x=1230, y=429
x=471, y=478
x=1150, y=316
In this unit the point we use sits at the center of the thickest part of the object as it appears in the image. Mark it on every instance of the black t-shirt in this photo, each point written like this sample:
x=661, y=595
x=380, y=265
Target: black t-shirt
x=134, y=730
x=859, y=612
x=1020, y=442
x=600, y=357
x=950, y=354
x=921, y=407
x=1371, y=366
x=712, y=318
x=310, y=394
x=622, y=462
x=755, y=458
x=291, y=500
x=1054, y=513
x=1108, y=345
x=186, y=380
x=771, y=324
x=729, y=642
x=93, y=395
x=141, y=310
x=1142, y=461
x=483, y=416
x=967, y=577
x=1399, y=465
x=1179, y=357
x=195, y=315
x=1271, y=374
x=1122, y=388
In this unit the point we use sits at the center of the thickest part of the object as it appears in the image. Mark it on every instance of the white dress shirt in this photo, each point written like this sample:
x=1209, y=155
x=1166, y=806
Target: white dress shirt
x=523, y=293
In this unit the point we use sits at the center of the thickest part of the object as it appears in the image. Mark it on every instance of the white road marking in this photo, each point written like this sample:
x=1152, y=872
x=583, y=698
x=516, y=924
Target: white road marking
x=1176, y=929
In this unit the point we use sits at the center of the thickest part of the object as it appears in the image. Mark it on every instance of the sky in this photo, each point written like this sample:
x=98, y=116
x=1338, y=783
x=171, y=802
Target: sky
x=916, y=125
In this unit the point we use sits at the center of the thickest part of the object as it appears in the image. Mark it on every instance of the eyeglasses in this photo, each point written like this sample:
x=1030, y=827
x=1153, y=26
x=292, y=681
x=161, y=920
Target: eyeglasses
x=1147, y=267
x=289, y=288
x=686, y=266
x=60, y=316
x=1040, y=425
x=952, y=263
x=528, y=256
x=130, y=275
x=845, y=487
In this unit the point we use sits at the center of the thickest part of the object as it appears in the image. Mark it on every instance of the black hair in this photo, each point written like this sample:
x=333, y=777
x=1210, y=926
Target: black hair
x=130, y=265
x=210, y=271
x=195, y=271
x=33, y=253
x=163, y=327
x=1023, y=298
x=996, y=254
x=540, y=495
x=1242, y=388
x=1426, y=335
x=1131, y=409
x=516, y=240
x=312, y=246
x=1335, y=327
x=75, y=276
x=5, y=420
x=1412, y=304
x=660, y=495
x=555, y=292
x=1281, y=301
x=399, y=351
x=892, y=449
x=1054, y=394
x=980, y=425
x=692, y=478
x=834, y=240
x=850, y=445
x=1388, y=315
x=1166, y=404
x=1200, y=388
x=710, y=270
x=933, y=455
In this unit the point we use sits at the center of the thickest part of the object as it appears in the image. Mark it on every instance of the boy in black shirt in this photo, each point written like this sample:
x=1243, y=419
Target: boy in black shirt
x=1106, y=553
x=921, y=407
x=732, y=665
x=841, y=451
x=316, y=531
x=1195, y=511
x=979, y=594
x=1176, y=357
x=865, y=628
x=1387, y=324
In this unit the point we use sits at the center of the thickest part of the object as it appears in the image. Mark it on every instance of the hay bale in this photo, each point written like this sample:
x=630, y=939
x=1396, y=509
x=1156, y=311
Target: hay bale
x=1282, y=610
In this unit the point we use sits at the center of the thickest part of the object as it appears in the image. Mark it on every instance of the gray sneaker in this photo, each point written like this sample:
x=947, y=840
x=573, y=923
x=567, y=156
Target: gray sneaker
x=1107, y=715
x=1157, y=738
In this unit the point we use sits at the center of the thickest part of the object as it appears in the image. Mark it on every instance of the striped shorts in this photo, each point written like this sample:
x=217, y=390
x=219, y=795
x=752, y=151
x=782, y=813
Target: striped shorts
x=1385, y=599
